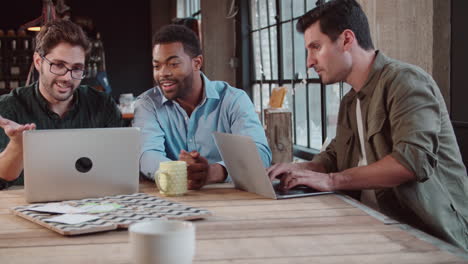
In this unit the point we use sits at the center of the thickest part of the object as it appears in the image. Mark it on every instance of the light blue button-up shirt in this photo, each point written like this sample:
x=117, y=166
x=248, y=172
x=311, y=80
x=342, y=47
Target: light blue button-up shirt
x=166, y=129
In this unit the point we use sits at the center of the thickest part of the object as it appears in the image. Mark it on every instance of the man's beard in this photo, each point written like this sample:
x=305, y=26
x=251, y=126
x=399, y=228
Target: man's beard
x=183, y=90
x=48, y=85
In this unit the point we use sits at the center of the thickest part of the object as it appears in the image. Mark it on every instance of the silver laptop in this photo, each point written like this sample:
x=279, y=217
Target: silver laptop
x=66, y=164
x=245, y=167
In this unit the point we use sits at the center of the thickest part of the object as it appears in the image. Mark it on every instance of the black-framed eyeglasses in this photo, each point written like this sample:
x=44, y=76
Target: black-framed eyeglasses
x=60, y=69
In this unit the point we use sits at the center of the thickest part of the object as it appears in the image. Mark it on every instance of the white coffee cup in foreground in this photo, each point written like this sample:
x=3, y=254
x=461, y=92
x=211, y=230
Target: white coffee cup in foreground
x=162, y=241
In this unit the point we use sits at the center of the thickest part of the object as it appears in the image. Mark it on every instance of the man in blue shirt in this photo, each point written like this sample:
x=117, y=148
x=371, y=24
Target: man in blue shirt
x=179, y=115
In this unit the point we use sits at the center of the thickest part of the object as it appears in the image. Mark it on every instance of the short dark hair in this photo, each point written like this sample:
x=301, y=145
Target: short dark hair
x=335, y=17
x=58, y=31
x=179, y=33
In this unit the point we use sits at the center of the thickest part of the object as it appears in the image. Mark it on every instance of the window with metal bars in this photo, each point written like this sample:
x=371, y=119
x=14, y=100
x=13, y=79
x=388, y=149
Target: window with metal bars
x=279, y=59
x=188, y=8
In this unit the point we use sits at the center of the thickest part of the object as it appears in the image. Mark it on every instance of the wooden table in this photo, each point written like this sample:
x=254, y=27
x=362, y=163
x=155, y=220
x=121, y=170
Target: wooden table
x=244, y=228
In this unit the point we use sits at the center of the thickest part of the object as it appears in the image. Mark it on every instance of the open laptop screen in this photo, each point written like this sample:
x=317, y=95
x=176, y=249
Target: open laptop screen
x=65, y=164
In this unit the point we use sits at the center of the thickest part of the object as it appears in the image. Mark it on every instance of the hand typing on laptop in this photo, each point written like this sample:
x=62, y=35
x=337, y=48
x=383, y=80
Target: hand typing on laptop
x=199, y=172
x=298, y=189
x=294, y=174
x=11, y=159
x=247, y=171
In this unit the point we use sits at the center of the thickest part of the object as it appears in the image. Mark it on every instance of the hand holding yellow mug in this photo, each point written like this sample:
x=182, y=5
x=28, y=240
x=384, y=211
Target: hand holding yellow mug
x=171, y=178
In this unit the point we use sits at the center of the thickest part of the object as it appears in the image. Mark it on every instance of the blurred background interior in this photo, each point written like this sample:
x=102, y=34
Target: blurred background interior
x=253, y=45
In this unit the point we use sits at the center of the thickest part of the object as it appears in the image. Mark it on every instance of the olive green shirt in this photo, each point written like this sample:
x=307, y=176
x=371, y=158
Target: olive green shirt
x=404, y=115
x=90, y=109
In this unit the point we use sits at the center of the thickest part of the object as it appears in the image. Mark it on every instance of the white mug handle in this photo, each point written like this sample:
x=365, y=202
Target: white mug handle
x=160, y=171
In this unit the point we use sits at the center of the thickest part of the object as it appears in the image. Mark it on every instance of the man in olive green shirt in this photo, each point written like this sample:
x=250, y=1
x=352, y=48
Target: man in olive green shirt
x=394, y=138
x=56, y=101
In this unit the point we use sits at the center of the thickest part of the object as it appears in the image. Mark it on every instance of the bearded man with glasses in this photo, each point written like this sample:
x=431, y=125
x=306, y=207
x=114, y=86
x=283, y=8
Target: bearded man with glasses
x=56, y=101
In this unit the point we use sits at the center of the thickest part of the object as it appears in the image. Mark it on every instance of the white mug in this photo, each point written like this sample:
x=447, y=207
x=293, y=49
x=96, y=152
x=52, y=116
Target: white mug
x=162, y=242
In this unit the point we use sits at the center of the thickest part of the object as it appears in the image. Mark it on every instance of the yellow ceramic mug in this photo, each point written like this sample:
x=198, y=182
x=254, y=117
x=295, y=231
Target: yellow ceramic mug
x=171, y=178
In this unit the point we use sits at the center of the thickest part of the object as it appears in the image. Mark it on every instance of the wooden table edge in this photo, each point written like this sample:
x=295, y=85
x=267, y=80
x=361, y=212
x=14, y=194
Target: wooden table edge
x=442, y=245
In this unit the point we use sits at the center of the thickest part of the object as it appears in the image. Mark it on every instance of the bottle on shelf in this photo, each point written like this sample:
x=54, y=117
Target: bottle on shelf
x=24, y=55
x=15, y=59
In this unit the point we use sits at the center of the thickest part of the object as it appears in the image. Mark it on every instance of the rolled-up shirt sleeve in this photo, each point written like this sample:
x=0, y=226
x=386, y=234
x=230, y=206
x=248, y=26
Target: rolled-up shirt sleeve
x=415, y=121
x=327, y=158
x=152, y=139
